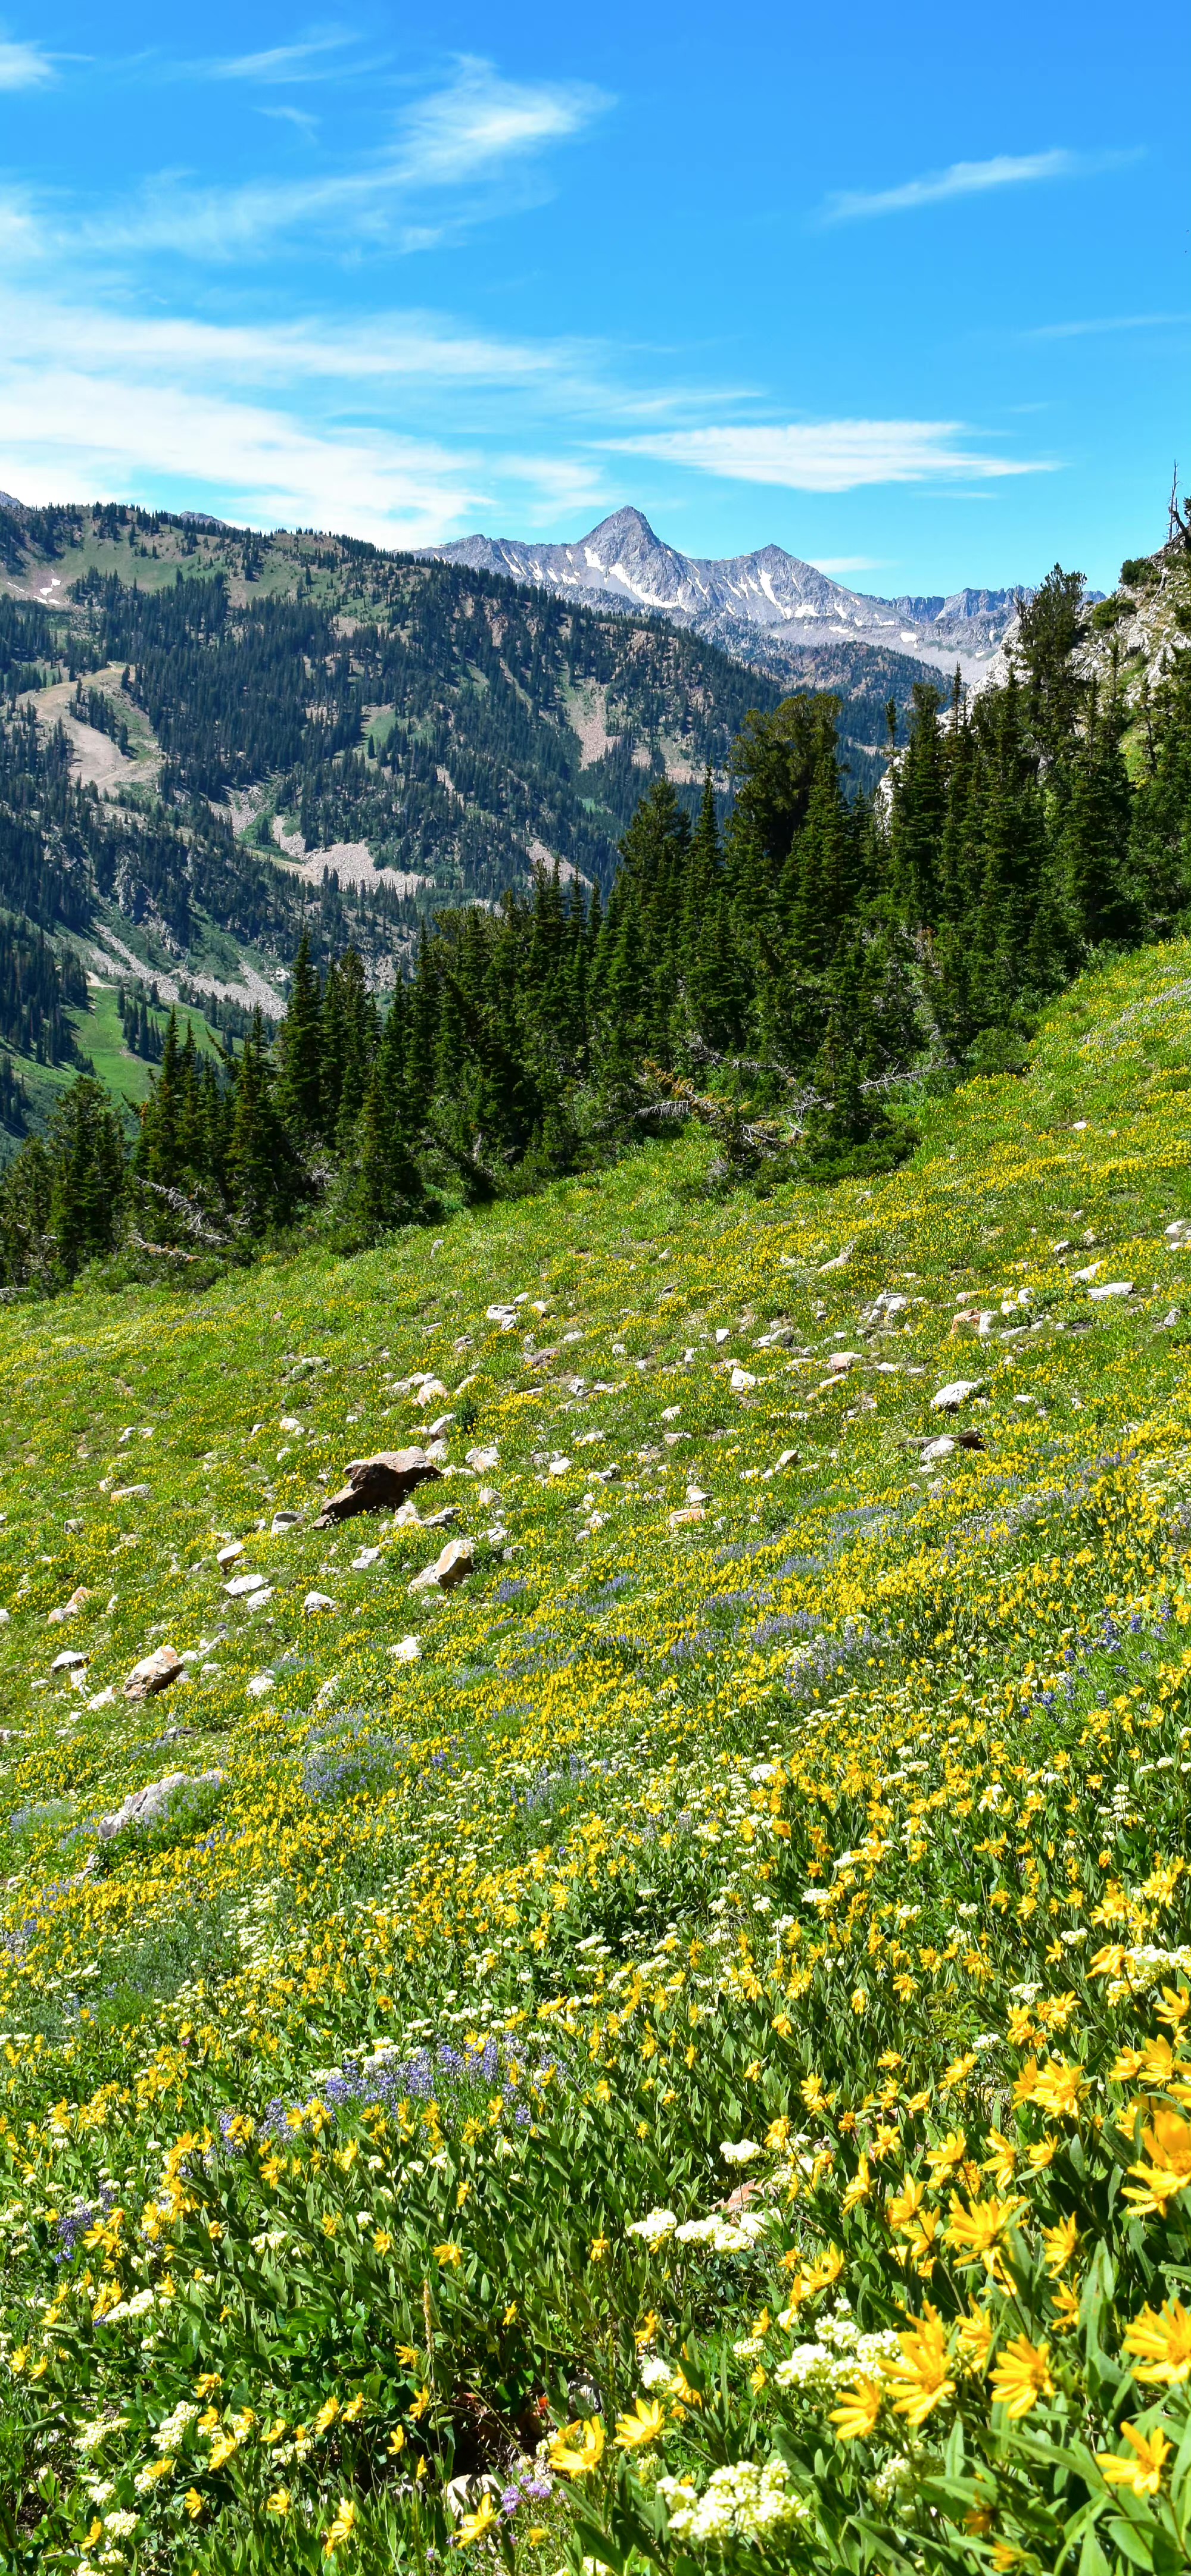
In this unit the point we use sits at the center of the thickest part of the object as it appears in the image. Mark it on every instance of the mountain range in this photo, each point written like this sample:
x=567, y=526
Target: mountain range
x=768, y=609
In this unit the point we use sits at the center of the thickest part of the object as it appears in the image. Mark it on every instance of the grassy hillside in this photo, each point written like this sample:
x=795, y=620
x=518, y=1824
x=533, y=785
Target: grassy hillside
x=739, y=1959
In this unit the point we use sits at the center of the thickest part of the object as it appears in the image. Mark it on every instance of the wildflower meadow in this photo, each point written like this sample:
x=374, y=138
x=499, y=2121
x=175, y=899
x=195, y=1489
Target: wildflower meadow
x=663, y=2046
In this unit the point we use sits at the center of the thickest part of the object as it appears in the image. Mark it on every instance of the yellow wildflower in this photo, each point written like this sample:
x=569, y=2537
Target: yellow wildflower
x=280, y=2501
x=1022, y=2376
x=918, y=2378
x=476, y=2526
x=1163, y=2343
x=1143, y=2473
x=343, y=2526
x=578, y=2450
x=643, y=2426
x=856, y=2415
x=1167, y=2143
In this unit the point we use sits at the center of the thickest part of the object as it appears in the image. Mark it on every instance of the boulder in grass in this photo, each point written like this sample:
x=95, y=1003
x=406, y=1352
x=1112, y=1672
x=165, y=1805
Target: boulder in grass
x=959, y=1391
x=154, y=1673
x=374, y=1484
x=149, y=1805
x=69, y=1609
x=315, y=1601
x=450, y=1568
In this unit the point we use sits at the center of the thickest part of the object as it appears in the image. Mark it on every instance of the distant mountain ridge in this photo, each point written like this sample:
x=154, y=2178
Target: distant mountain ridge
x=767, y=608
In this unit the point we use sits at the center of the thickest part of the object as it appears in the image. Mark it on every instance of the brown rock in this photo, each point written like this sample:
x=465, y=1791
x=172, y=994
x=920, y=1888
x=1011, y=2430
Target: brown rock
x=154, y=1673
x=375, y=1483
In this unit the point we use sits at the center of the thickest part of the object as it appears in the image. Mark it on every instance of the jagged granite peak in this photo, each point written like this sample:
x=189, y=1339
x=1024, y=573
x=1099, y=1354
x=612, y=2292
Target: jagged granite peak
x=763, y=605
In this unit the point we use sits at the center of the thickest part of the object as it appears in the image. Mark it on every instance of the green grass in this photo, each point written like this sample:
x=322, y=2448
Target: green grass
x=800, y=1821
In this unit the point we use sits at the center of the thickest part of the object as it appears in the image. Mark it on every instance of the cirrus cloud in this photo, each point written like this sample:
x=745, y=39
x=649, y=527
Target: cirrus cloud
x=967, y=179
x=829, y=455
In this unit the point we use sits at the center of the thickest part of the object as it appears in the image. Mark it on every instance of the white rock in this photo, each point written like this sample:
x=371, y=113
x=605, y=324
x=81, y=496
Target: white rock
x=1083, y=1276
x=69, y=1609
x=483, y=1459
x=722, y=1333
x=129, y=1493
x=430, y=1387
x=146, y=1806
x=442, y=1423
x=227, y=1555
x=259, y=1600
x=283, y=1521
x=941, y=1448
x=1113, y=1288
x=842, y=1359
x=1180, y=1231
x=450, y=1568
x=406, y=1651
x=3, y=1618
x=289, y=1422
x=318, y=1601
x=559, y=1466
x=841, y=1259
x=259, y=1684
x=950, y=1397
x=103, y=1698
x=241, y=1584
x=695, y=1494
x=741, y=1380
x=68, y=1661
x=363, y=1558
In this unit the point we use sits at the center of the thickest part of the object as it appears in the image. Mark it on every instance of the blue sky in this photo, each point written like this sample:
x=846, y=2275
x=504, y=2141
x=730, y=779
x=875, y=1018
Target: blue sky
x=909, y=296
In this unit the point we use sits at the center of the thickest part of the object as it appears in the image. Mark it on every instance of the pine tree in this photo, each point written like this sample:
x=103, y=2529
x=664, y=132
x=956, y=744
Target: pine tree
x=299, y=1047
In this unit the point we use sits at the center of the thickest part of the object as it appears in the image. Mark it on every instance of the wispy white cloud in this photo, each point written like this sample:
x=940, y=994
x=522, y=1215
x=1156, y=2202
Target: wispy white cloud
x=302, y=61
x=480, y=122
x=69, y=431
x=1113, y=322
x=828, y=455
x=462, y=136
x=968, y=179
x=23, y=66
x=285, y=114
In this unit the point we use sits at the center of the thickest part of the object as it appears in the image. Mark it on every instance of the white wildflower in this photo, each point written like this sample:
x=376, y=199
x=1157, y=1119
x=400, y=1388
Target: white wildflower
x=654, y=2228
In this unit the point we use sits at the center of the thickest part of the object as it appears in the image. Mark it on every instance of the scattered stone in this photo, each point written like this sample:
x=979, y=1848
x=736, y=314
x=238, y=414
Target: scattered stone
x=944, y=1447
x=406, y=1651
x=722, y=1333
x=68, y=1661
x=483, y=1459
x=69, y=1609
x=695, y=1494
x=1179, y=1233
x=450, y=1568
x=692, y=1512
x=227, y=1555
x=283, y=1521
x=741, y=1381
x=1112, y=1288
x=242, y=1584
x=103, y=1698
x=443, y=1519
x=363, y=1558
x=147, y=1806
x=442, y=1424
x=129, y=1493
x=155, y=1672
x=841, y=1260
x=259, y=1600
x=318, y=1601
x=429, y=1389
x=259, y=1684
x=375, y=1483
x=842, y=1360
x=957, y=1392
x=559, y=1466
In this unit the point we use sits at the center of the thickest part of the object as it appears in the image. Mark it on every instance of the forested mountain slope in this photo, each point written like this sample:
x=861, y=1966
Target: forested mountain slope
x=665, y=2041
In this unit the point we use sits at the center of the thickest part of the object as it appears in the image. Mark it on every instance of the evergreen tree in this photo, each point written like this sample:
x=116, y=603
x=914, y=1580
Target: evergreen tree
x=300, y=1049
